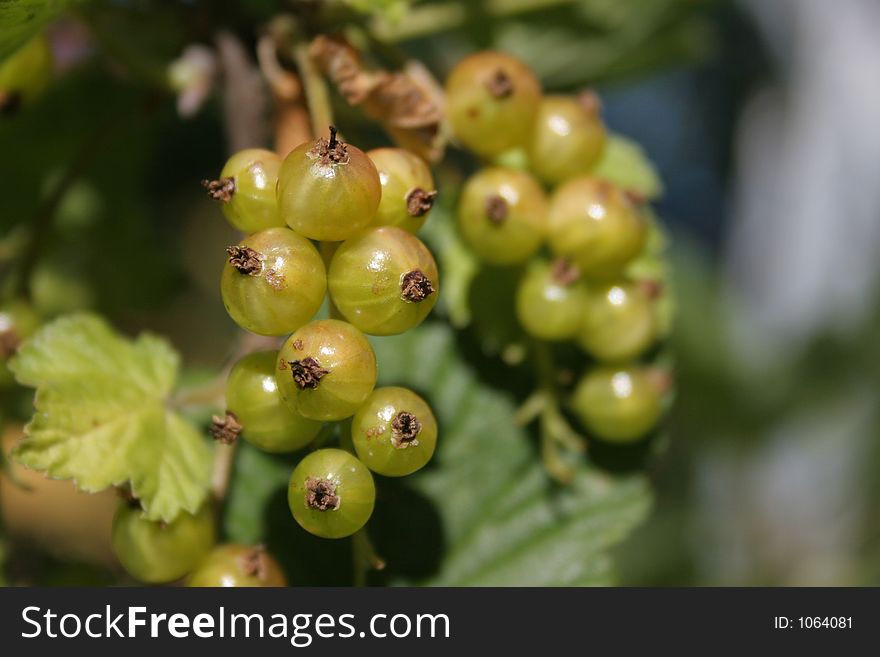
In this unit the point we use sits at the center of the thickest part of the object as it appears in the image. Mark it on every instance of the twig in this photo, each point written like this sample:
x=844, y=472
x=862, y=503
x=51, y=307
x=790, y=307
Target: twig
x=291, y=115
x=317, y=95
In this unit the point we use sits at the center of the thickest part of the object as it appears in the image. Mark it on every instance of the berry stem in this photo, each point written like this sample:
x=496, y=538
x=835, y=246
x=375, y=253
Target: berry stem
x=317, y=95
x=364, y=557
x=555, y=431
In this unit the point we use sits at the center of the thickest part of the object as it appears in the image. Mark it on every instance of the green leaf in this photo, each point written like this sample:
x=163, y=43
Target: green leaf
x=625, y=163
x=503, y=521
x=102, y=416
x=21, y=19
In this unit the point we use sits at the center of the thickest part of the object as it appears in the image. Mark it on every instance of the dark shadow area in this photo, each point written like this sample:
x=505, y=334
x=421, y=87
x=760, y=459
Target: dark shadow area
x=406, y=531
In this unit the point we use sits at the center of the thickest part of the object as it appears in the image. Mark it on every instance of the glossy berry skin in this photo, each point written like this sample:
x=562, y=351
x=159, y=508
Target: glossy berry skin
x=408, y=191
x=267, y=422
x=236, y=565
x=596, y=225
x=253, y=204
x=394, y=432
x=502, y=215
x=328, y=190
x=274, y=281
x=491, y=100
x=156, y=552
x=619, y=323
x=568, y=138
x=25, y=74
x=331, y=493
x=383, y=280
x=618, y=404
x=326, y=370
x=550, y=301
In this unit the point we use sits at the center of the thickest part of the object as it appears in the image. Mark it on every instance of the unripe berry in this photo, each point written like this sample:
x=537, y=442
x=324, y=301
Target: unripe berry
x=328, y=190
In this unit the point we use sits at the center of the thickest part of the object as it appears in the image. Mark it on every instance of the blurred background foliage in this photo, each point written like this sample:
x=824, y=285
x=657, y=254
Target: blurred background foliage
x=770, y=473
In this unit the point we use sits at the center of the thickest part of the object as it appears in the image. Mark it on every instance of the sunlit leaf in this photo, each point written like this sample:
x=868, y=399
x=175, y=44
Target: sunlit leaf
x=103, y=419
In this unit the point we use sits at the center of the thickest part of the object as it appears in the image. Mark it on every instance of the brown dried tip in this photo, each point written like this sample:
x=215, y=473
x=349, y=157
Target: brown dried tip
x=564, y=271
x=661, y=379
x=245, y=260
x=415, y=286
x=220, y=190
x=496, y=210
x=651, y=288
x=500, y=85
x=634, y=197
x=321, y=494
x=225, y=429
x=330, y=151
x=307, y=373
x=405, y=429
x=419, y=201
x=9, y=342
x=254, y=563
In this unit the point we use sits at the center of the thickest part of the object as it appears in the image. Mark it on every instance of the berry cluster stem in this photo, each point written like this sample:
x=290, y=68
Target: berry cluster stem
x=555, y=432
x=317, y=94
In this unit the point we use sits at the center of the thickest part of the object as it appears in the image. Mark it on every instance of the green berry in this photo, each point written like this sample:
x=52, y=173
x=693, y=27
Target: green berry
x=597, y=226
x=328, y=190
x=238, y=565
x=273, y=282
x=326, y=370
x=383, y=280
x=550, y=300
x=158, y=552
x=257, y=409
x=394, y=432
x=331, y=493
x=619, y=322
x=408, y=191
x=619, y=404
x=568, y=138
x=246, y=189
x=491, y=100
x=25, y=74
x=502, y=215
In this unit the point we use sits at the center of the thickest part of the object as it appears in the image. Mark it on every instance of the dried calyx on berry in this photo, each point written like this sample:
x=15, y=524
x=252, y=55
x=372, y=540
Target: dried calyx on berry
x=405, y=429
x=330, y=151
x=321, y=494
x=307, y=373
x=225, y=429
x=415, y=286
x=221, y=189
x=420, y=201
x=245, y=260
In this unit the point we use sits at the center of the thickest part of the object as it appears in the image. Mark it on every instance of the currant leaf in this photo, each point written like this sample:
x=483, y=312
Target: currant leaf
x=102, y=417
x=505, y=523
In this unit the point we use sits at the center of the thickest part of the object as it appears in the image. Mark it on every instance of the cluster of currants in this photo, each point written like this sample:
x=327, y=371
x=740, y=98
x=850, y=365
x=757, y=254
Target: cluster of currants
x=577, y=245
x=363, y=209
